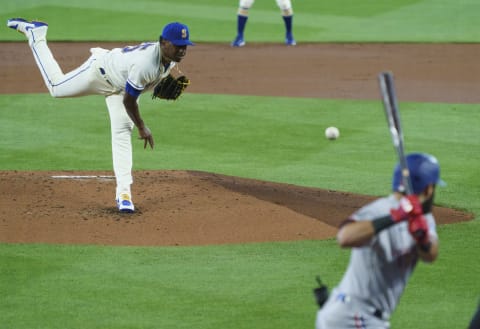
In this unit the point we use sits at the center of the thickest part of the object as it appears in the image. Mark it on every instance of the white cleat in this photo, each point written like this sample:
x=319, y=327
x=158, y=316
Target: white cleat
x=23, y=26
x=125, y=204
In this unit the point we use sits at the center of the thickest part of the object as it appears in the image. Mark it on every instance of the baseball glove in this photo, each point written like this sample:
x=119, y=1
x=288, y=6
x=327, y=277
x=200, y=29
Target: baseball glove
x=170, y=88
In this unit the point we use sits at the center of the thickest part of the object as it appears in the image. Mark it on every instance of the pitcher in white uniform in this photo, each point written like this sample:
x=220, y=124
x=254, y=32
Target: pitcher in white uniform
x=387, y=236
x=121, y=75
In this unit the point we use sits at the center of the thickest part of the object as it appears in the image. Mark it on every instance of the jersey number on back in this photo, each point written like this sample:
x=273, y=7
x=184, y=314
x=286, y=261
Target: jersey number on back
x=142, y=46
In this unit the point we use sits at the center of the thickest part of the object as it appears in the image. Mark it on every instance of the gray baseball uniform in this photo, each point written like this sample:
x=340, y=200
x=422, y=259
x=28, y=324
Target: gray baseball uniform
x=376, y=275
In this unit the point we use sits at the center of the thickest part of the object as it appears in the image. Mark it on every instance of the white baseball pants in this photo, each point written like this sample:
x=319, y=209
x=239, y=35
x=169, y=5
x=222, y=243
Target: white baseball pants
x=87, y=79
x=282, y=4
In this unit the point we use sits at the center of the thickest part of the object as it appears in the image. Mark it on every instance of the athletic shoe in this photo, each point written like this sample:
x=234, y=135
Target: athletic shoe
x=238, y=42
x=23, y=26
x=289, y=40
x=125, y=204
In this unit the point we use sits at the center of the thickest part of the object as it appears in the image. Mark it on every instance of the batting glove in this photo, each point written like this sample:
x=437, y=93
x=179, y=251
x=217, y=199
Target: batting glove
x=409, y=206
x=418, y=228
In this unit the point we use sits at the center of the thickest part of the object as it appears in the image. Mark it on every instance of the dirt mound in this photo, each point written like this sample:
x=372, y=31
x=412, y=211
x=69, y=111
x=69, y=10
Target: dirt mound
x=173, y=208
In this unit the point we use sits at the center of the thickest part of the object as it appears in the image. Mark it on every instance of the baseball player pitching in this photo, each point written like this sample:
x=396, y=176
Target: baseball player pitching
x=242, y=17
x=387, y=236
x=121, y=75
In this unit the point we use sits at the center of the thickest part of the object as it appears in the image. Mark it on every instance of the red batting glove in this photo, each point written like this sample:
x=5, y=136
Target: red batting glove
x=418, y=228
x=409, y=206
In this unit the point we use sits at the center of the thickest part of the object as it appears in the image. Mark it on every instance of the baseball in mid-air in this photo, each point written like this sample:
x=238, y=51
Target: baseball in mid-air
x=332, y=133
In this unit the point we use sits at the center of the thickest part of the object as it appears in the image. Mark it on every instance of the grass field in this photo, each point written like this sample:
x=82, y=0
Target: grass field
x=214, y=20
x=265, y=285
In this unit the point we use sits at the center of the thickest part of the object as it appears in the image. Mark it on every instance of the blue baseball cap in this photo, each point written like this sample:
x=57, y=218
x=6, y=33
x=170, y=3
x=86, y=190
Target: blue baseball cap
x=424, y=170
x=177, y=33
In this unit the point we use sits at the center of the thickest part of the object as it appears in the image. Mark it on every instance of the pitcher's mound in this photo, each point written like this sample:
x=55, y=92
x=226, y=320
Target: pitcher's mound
x=173, y=208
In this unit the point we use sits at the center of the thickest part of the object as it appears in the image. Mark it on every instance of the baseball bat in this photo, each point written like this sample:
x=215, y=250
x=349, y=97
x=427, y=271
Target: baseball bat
x=387, y=90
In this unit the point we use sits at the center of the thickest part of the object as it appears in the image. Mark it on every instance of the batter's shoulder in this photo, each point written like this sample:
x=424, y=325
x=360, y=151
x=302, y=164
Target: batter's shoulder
x=376, y=208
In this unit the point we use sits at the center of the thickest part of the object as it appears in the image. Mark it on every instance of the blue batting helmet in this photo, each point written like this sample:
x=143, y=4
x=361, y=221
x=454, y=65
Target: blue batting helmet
x=424, y=170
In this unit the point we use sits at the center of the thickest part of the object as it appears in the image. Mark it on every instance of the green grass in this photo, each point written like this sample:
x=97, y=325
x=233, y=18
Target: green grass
x=215, y=20
x=161, y=287
x=277, y=139
x=267, y=285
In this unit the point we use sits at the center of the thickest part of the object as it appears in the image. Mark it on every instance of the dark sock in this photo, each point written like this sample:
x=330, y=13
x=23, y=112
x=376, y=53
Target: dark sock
x=288, y=23
x=241, y=22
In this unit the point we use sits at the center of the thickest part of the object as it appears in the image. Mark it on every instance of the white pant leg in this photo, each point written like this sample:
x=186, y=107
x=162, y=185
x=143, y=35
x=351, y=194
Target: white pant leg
x=84, y=80
x=347, y=314
x=121, y=128
x=284, y=5
x=246, y=4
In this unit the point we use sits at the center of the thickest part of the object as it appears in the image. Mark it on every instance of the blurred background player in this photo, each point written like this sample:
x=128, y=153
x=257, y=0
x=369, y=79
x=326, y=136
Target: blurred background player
x=242, y=17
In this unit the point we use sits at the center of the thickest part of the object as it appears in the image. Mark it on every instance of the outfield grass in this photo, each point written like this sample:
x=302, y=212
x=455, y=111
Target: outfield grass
x=265, y=285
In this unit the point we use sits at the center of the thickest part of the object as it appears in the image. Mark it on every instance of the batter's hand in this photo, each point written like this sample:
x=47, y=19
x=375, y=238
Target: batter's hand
x=418, y=228
x=147, y=137
x=409, y=206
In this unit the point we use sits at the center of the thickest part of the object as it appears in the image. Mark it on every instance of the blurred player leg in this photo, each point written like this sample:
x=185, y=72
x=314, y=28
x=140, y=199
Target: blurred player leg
x=242, y=17
x=287, y=15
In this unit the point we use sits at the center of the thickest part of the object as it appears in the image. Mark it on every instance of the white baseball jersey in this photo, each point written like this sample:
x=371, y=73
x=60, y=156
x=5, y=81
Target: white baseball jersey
x=376, y=275
x=138, y=65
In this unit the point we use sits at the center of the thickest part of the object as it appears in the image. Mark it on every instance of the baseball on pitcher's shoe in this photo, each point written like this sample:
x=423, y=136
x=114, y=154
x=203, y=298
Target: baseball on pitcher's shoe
x=332, y=133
